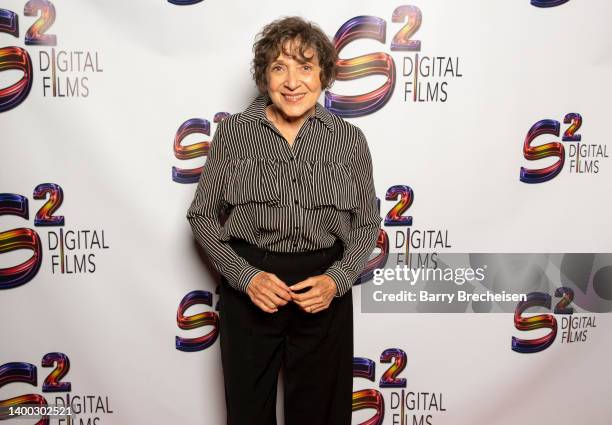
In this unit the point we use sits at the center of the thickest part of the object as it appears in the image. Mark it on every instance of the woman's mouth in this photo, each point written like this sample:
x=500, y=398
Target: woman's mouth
x=293, y=98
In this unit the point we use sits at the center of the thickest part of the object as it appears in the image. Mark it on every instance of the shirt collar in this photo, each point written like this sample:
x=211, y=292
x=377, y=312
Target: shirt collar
x=256, y=111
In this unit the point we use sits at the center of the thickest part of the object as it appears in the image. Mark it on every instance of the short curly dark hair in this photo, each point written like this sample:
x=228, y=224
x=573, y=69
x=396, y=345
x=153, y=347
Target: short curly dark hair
x=275, y=36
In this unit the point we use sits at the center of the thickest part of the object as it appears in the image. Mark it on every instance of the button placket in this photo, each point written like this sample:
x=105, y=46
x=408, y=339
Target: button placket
x=299, y=136
x=294, y=190
x=295, y=193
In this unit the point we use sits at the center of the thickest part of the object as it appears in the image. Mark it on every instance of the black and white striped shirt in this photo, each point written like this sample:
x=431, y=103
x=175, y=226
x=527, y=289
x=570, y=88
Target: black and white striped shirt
x=286, y=198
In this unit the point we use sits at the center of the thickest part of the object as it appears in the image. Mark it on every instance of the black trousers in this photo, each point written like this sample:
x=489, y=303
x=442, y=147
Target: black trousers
x=315, y=350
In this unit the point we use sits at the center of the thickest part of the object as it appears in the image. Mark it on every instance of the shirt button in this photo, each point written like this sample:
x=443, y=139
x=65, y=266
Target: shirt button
x=294, y=244
x=293, y=180
x=291, y=158
x=296, y=227
x=296, y=202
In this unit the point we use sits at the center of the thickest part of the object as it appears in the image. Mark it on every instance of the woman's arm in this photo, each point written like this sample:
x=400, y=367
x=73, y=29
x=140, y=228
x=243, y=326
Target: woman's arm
x=203, y=216
x=365, y=222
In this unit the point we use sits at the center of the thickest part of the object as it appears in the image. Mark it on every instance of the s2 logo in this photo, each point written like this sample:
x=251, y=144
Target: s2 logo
x=378, y=63
x=16, y=58
x=551, y=149
x=24, y=238
x=27, y=373
x=394, y=217
x=372, y=398
x=540, y=321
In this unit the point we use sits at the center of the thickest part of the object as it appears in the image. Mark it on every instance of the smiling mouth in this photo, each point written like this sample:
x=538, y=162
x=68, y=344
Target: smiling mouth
x=293, y=98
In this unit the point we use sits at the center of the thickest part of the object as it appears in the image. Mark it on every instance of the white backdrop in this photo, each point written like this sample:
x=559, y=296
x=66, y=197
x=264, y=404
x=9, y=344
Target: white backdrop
x=154, y=65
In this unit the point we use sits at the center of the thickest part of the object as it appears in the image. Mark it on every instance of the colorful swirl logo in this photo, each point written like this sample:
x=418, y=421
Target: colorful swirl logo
x=368, y=398
x=14, y=58
x=16, y=239
x=584, y=158
x=371, y=64
x=184, y=2
x=545, y=150
x=540, y=321
x=195, y=150
x=25, y=373
x=548, y=3
x=207, y=318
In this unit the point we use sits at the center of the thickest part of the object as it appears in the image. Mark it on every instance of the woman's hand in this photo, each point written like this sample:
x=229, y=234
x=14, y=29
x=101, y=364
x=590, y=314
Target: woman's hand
x=268, y=292
x=322, y=291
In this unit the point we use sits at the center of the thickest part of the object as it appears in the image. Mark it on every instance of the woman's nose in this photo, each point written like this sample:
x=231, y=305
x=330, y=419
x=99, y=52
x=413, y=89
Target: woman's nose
x=292, y=81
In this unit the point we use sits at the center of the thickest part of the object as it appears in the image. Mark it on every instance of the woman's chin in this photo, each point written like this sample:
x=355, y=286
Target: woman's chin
x=295, y=112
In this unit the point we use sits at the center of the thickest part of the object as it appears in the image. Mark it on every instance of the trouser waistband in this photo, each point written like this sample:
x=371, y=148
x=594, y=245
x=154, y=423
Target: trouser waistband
x=289, y=266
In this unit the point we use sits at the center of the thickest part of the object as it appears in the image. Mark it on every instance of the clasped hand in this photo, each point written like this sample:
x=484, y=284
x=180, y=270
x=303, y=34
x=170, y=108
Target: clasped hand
x=269, y=293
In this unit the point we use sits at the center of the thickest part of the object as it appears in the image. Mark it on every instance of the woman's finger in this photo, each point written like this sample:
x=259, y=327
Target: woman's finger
x=266, y=305
x=319, y=308
x=310, y=303
x=281, y=290
x=274, y=299
x=306, y=283
x=278, y=281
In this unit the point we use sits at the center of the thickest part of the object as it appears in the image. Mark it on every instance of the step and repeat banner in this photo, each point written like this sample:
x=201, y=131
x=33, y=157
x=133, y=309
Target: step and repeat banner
x=487, y=298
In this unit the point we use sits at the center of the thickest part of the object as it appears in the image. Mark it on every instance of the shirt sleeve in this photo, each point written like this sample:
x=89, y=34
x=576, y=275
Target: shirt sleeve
x=365, y=222
x=203, y=216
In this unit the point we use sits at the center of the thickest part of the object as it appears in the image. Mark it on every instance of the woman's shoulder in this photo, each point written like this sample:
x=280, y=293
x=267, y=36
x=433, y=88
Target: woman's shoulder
x=250, y=115
x=345, y=127
x=349, y=134
x=229, y=121
x=231, y=131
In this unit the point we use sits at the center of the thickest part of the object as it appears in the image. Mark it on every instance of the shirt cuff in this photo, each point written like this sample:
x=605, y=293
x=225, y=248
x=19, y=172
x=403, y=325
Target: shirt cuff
x=246, y=275
x=343, y=284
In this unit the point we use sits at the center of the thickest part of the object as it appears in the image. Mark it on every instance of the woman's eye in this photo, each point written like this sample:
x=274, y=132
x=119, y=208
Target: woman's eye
x=277, y=68
x=307, y=68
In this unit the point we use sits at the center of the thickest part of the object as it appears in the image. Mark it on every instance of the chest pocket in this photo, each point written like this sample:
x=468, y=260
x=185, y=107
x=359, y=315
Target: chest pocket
x=251, y=180
x=328, y=184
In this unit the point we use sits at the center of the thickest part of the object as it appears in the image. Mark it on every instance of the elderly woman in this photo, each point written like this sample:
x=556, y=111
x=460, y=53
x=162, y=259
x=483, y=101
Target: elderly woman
x=302, y=219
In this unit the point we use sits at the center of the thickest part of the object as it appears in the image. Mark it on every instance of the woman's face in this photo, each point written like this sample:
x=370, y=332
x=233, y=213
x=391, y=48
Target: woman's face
x=294, y=86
